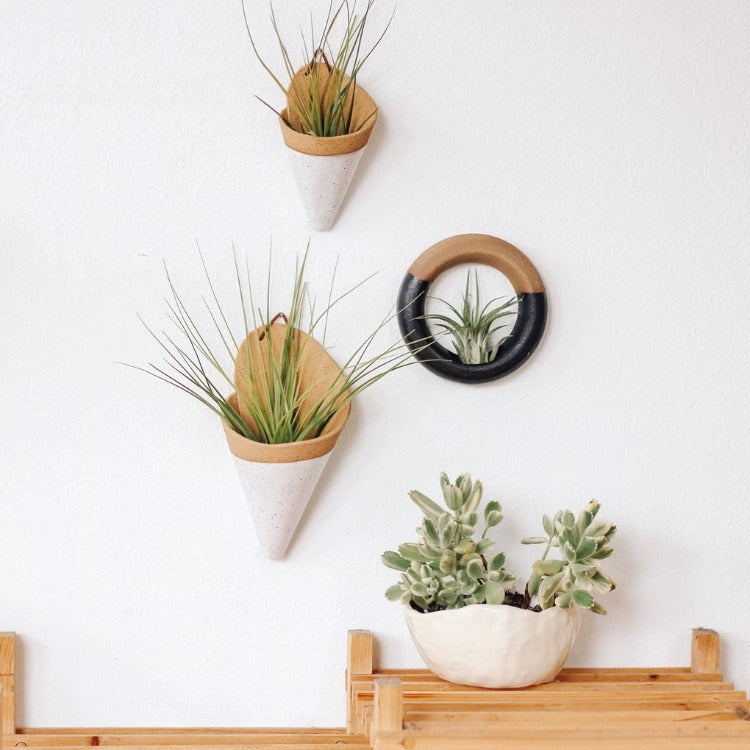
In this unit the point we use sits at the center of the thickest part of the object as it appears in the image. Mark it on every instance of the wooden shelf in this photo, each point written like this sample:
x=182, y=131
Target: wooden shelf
x=607, y=709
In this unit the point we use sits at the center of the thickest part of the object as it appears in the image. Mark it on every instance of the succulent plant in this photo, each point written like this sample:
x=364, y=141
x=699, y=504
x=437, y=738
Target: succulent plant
x=447, y=567
x=583, y=543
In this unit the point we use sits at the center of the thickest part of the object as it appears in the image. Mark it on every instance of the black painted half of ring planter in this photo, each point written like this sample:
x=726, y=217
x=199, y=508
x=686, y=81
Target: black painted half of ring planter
x=530, y=320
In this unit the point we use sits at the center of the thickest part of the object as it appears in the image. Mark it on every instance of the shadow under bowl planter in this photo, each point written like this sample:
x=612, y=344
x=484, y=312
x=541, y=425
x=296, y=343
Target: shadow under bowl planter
x=494, y=645
x=323, y=167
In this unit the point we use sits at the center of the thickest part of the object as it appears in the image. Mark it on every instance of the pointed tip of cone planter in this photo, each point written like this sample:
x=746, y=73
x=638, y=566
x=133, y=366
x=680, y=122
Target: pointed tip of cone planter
x=323, y=168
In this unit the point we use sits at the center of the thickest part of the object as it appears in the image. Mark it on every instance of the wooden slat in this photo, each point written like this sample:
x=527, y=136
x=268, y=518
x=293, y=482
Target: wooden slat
x=7, y=683
x=160, y=738
x=704, y=651
x=359, y=661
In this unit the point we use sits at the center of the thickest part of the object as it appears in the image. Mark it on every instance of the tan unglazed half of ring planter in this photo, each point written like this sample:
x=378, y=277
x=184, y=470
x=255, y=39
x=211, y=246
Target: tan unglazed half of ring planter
x=323, y=167
x=278, y=480
x=494, y=645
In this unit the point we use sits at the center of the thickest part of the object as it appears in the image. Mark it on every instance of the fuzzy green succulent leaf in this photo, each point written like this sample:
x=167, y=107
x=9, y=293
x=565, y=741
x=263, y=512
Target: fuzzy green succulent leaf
x=497, y=562
x=602, y=582
x=547, y=567
x=429, y=532
x=494, y=592
x=563, y=600
x=395, y=593
x=586, y=548
x=597, y=609
x=533, y=585
x=410, y=551
x=475, y=568
x=465, y=547
x=534, y=540
x=484, y=545
x=548, y=590
x=429, y=507
x=395, y=561
x=474, y=497
x=582, y=598
x=454, y=498
x=448, y=562
x=568, y=551
x=465, y=484
x=548, y=525
x=602, y=554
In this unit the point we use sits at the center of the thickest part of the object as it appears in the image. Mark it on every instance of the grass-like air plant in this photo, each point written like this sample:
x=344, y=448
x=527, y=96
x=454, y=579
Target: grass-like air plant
x=321, y=102
x=282, y=409
x=474, y=328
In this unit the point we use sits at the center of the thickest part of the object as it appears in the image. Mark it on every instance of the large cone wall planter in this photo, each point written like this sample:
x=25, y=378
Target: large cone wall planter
x=279, y=479
x=323, y=167
x=494, y=645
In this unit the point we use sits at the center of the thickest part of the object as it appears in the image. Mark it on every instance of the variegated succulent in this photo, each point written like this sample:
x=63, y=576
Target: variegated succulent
x=583, y=543
x=447, y=567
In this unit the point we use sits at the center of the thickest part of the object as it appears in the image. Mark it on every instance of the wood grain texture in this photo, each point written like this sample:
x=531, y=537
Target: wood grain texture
x=359, y=662
x=704, y=652
x=7, y=685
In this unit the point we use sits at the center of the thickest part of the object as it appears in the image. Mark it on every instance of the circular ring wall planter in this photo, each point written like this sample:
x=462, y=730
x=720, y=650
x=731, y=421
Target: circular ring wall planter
x=489, y=251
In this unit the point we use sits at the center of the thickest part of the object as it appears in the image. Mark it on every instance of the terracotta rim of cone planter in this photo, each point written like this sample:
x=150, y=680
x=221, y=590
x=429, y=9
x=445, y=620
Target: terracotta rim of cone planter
x=314, y=145
x=280, y=453
x=364, y=116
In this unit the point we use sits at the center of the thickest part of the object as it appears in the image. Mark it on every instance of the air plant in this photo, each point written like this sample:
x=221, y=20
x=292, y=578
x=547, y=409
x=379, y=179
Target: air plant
x=282, y=410
x=322, y=86
x=474, y=328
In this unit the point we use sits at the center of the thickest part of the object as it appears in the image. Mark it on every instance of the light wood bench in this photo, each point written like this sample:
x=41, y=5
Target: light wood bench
x=652, y=709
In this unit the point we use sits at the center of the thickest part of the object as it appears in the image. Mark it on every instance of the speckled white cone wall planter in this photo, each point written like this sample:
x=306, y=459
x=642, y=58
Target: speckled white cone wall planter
x=323, y=168
x=277, y=495
x=322, y=182
x=494, y=646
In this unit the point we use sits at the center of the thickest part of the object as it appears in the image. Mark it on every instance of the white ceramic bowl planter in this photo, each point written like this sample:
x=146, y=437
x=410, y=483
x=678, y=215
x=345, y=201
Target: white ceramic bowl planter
x=494, y=646
x=323, y=167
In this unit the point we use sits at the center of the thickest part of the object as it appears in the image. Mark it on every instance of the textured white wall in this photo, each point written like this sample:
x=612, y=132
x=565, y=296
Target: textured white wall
x=608, y=140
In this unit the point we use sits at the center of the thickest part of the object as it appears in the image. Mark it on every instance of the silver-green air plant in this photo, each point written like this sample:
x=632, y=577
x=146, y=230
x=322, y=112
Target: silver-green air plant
x=474, y=328
x=575, y=578
x=334, y=56
x=448, y=568
x=275, y=397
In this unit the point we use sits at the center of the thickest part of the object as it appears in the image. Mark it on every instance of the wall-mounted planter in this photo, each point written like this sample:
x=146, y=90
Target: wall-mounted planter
x=494, y=645
x=279, y=479
x=487, y=250
x=323, y=167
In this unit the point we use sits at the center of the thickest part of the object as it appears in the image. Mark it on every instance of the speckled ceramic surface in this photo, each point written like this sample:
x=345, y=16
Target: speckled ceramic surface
x=322, y=182
x=277, y=495
x=494, y=646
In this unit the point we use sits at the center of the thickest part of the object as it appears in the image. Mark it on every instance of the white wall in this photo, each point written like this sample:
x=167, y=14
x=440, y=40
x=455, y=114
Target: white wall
x=608, y=140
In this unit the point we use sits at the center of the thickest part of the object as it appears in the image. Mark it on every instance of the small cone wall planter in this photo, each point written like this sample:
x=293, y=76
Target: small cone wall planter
x=323, y=167
x=279, y=479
